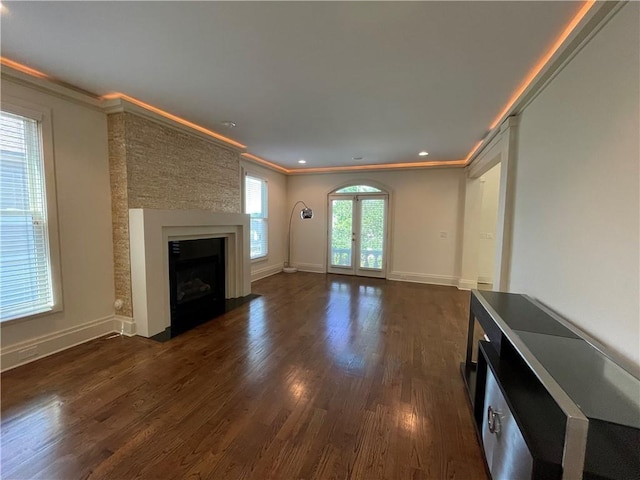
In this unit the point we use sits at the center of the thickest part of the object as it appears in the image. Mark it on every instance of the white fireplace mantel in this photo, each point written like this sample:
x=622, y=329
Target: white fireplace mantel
x=149, y=234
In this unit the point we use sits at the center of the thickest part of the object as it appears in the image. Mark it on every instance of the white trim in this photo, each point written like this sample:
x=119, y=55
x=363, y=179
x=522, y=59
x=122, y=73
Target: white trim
x=506, y=202
x=369, y=169
x=311, y=267
x=431, y=279
x=43, y=116
x=39, y=347
x=52, y=87
x=489, y=158
x=124, y=325
x=265, y=272
x=150, y=230
x=466, y=284
x=502, y=150
x=267, y=166
x=264, y=201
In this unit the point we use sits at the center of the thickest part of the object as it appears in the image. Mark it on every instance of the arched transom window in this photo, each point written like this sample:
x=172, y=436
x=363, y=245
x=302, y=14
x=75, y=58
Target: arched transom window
x=358, y=189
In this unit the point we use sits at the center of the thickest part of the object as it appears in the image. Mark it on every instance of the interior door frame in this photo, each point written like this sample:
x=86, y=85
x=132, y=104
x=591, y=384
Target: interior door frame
x=355, y=268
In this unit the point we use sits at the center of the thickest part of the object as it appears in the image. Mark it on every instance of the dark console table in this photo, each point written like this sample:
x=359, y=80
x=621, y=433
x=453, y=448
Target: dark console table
x=548, y=401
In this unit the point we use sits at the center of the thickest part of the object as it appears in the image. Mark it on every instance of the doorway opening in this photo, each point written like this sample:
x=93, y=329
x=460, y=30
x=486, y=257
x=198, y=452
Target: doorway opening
x=358, y=219
x=490, y=186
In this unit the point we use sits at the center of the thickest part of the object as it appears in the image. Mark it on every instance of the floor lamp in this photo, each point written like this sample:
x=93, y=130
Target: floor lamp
x=305, y=213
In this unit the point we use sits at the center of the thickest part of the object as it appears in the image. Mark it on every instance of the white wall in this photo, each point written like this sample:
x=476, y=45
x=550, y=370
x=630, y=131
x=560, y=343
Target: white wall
x=575, y=240
x=423, y=204
x=490, y=183
x=84, y=217
x=278, y=220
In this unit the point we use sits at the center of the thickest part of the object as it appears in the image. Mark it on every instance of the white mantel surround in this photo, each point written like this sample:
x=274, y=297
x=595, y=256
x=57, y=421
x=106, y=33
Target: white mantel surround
x=149, y=233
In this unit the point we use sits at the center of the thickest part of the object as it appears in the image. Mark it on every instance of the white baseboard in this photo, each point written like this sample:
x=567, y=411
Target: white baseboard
x=310, y=267
x=39, y=347
x=487, y=280
x=260, y=273
x=422, y=278
x=124, y=325
x=466, y=284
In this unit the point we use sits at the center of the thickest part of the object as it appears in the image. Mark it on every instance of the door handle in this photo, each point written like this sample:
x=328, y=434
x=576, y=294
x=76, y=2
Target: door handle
x=493, y=420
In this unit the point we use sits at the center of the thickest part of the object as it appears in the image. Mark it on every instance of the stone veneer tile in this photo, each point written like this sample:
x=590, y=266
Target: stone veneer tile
x=153, y=165
x=171, y=169
x=120, y=212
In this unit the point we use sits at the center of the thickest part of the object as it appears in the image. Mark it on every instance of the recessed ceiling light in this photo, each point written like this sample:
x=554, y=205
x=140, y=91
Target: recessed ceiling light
x=357, y=158
x=423, y=153
x=228, y=124
x=302, y=161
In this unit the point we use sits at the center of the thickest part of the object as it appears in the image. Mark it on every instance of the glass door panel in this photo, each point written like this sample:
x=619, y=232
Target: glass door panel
x=372, y=233
x=357, y=234
x=341, y=234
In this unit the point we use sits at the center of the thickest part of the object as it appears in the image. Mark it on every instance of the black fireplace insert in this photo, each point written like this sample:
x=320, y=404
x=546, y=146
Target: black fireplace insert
x=196, y=281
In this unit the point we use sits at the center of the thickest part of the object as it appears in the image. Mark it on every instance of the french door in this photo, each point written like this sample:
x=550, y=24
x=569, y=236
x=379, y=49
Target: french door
x=358, y=234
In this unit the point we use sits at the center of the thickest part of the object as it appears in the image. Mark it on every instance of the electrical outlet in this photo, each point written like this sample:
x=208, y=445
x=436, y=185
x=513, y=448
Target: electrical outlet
x=444, y=234
x=489, y=236
x=28, y=353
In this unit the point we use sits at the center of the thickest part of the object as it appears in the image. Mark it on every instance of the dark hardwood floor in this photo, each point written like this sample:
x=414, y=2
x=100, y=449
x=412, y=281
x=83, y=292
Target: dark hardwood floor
x=321, y=377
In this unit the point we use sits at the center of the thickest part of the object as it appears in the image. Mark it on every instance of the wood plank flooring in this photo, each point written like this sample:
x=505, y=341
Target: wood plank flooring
x=322, y=377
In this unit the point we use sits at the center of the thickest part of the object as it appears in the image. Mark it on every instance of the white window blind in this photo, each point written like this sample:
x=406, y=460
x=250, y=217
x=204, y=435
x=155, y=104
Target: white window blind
x=25, y=273
x=256, y=207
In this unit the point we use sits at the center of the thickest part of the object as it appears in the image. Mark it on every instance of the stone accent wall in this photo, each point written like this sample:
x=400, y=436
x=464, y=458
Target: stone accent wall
x=120, y=211
x=153, y=165
x=171, y=169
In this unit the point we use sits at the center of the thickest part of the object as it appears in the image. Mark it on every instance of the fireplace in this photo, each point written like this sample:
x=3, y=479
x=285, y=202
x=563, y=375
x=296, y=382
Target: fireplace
x=150, y=232
x=196, y=281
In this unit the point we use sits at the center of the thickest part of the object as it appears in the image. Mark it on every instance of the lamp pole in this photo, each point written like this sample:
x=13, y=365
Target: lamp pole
x=287, y=267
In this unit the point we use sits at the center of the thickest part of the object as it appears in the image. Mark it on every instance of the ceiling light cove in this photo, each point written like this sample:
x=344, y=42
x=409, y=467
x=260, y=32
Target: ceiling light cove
x=170, y=116
x=533, y=73
x=91, y=75
x=22, y=68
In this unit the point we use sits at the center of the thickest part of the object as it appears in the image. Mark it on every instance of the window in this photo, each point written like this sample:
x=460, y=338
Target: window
x=256, y=206
x=358, y=189
x=26, y=266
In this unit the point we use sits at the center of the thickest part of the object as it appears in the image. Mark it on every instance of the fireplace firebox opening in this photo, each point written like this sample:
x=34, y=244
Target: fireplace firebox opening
x=196, y=281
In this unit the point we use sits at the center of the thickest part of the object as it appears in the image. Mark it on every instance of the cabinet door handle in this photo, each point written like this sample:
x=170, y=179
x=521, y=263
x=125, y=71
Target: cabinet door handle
x=493, y=420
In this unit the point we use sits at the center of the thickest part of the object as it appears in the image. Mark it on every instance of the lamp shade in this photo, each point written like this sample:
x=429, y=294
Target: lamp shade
x=306, y=213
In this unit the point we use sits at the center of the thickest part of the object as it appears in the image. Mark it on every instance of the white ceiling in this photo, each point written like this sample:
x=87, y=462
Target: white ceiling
x=323, y=81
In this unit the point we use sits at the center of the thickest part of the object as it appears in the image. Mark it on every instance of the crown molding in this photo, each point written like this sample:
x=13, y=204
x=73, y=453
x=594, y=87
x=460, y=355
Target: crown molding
x=378, y=168
x=23, y=75
x=122, y=105
x=575, y=37
x=41, y=82
x=353, y=168
x=264, y=163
